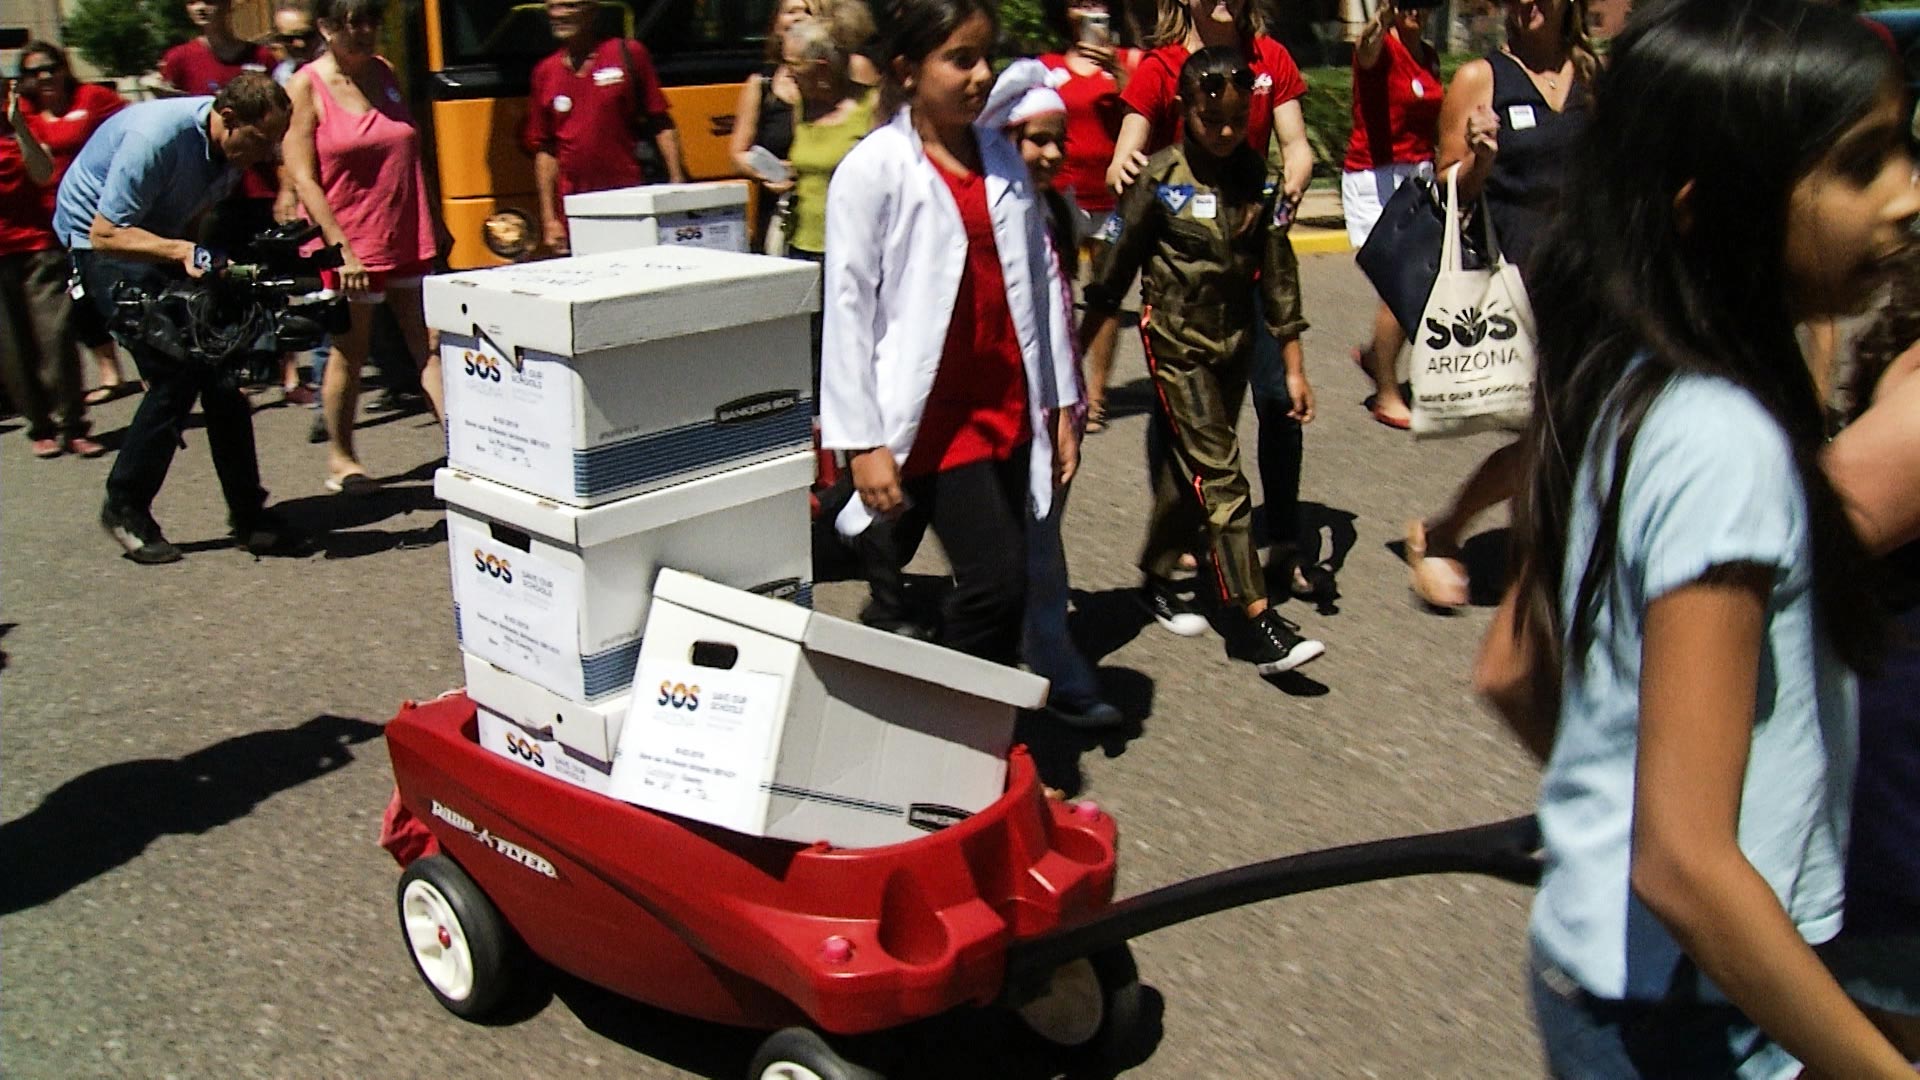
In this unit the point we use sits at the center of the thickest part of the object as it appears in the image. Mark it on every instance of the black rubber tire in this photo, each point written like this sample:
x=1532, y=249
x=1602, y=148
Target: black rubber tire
x=804, y=1048
x=488, y=941
x=1122, y=1007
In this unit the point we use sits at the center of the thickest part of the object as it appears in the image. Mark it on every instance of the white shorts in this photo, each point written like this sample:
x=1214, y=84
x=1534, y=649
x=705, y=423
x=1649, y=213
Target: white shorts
x=1363, y=193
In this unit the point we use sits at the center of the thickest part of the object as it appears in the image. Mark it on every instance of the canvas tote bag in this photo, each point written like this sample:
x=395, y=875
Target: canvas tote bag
x=1473, y=352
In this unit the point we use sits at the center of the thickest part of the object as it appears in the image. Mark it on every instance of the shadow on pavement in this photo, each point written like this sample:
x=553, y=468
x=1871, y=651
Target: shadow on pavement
x=103, y=819
x=5, y=629
x=964, y=1044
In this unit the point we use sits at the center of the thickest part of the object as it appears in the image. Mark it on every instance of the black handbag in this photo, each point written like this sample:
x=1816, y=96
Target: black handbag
x=1402, y=254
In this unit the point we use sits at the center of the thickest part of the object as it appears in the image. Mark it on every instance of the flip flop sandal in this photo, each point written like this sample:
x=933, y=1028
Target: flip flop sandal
x=358, y=483
x=1439, y=582
x=1398, y=423
x=1096, y=418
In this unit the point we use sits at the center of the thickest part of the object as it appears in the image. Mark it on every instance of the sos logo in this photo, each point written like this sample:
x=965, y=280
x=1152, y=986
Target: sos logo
x=526, y=749
x=484, y=368
x=679, y=695
x=493, y=566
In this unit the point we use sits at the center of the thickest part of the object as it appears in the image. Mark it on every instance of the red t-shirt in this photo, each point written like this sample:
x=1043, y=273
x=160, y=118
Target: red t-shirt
x=25, y=223
x=1156, y=83
x=1094, y=112
x=977, y=409
x=588, y=121
x=193, y=68
x=1396, y=108
x=63, y=136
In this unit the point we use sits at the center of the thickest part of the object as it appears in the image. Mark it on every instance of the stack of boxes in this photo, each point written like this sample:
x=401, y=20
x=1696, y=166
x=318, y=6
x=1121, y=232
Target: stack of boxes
x=609, y=415
x=638, y=423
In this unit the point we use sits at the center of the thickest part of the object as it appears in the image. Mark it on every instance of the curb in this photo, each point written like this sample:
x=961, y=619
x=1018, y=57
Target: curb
x=1316, y=241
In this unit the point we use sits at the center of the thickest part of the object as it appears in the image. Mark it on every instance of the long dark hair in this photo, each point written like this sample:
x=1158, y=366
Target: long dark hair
x=1741, y=99
x=912, y=30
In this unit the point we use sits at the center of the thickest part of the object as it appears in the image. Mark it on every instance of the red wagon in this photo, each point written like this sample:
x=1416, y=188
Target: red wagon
x=1012, y=905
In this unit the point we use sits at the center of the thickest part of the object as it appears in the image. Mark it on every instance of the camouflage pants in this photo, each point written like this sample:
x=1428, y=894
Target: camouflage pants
x=1200, y=492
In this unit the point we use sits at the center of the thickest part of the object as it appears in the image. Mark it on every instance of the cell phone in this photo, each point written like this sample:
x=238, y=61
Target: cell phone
x=1096, y=28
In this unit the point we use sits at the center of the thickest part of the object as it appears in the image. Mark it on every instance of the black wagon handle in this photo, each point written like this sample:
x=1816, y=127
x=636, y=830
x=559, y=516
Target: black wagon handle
x=1508, y=850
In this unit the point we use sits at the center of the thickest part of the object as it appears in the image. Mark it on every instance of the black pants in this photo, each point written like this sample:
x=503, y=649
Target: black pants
x=172, y=389
x=979, y=512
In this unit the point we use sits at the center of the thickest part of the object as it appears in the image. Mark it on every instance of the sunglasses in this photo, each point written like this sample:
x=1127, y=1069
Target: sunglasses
x=1214, y=83
x=39, y=69
x=293, y=39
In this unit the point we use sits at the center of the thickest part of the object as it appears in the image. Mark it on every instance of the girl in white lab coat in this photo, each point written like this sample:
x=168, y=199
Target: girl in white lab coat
x=947, y=369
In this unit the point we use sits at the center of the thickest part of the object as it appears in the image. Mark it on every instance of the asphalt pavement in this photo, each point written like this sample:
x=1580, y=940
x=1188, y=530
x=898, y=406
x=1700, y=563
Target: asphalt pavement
x=192, y=777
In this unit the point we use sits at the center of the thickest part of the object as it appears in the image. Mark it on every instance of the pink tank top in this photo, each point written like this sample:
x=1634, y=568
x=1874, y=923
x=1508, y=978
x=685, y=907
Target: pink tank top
x=370, y=169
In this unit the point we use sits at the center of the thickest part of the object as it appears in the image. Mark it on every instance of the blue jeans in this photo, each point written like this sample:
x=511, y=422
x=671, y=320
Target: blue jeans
x=1047, y=647
x=1590, y=1038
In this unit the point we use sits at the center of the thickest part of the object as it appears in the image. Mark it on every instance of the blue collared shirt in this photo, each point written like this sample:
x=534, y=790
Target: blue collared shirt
x=151, y=166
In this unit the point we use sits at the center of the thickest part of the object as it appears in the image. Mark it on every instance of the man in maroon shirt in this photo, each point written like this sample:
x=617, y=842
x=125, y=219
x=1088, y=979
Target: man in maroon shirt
x=589, y=108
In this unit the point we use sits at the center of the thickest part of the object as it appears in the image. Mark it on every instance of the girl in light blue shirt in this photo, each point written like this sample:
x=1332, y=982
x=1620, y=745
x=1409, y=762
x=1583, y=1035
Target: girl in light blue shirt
x=1692, y=591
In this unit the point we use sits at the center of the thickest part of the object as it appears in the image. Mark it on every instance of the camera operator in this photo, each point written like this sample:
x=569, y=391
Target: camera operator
x=123, y=208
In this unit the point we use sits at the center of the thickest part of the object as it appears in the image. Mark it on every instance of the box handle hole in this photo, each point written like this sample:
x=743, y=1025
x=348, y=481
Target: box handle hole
x=510, y=536
x=715, y=654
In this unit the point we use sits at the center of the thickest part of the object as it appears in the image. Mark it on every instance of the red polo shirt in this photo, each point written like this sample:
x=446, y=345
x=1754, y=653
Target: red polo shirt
x=195, y=69
x=587, y=118
x=64, y=135
x=25, y=224
x=1156, y=83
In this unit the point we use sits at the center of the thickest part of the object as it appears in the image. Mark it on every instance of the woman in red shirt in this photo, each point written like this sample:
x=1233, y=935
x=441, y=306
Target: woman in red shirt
x=1396, y=126
x=1090, y=77
x=63, y=115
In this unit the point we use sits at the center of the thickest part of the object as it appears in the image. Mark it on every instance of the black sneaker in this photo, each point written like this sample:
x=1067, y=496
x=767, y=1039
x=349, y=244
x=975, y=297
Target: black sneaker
x=1175, y=613
x=1272, y=644
x=318, y=432
x=139, y=534
x=265, y=533
x=1091, y=715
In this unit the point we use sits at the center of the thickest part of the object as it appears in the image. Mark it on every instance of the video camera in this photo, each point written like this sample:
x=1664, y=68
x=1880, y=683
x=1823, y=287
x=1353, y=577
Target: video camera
x=239, y=315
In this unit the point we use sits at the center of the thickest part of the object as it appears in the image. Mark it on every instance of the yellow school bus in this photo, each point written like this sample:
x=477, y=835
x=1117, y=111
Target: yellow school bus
x=467, y=65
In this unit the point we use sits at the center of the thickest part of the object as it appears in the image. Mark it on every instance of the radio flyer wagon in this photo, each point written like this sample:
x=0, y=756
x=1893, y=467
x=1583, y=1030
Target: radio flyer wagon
x=1011, y=906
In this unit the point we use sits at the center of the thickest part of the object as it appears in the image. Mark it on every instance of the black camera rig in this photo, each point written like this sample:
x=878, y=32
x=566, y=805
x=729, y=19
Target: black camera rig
x=241, y=314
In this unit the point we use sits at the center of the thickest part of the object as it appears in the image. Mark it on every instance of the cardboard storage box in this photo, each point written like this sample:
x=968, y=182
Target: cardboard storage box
x=712, y=214
x=589, y=379
x=770, y=719
x=558, y=594
x=586, y=732
x=531, y=749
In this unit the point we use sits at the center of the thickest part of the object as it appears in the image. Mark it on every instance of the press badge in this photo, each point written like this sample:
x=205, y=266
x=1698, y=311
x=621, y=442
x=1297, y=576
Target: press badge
x=1520, y=117
x=1205, y=207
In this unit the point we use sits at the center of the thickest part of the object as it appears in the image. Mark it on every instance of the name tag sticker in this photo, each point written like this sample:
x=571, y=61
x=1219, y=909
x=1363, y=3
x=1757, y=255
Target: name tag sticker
x=1520, y=117
x=608, y=76
x=1205, y=207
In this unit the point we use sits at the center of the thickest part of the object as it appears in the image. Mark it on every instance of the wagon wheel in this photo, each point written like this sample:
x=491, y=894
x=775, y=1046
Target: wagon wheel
x=459, y=943
x=1092, y=1005
x=799, y=1054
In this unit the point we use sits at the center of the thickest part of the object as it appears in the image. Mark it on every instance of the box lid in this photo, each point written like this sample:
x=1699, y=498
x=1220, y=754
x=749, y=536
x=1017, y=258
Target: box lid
x=591, y=302
x=651, y=200
x=583, y=527
x=851, y=641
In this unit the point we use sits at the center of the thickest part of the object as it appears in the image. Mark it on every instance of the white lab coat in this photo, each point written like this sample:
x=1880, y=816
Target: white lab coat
x=895, y=252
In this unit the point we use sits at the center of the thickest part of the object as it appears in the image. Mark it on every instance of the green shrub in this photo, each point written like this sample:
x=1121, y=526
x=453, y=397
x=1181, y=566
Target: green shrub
x=122, y=38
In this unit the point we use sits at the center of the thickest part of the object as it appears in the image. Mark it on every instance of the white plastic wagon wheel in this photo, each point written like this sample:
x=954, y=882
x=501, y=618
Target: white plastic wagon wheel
x=799, y=1054
x=1092, y=1006
x=461, y=946
x=439, y=944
